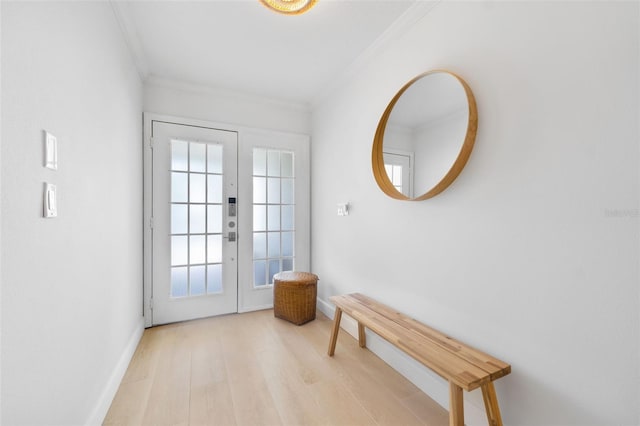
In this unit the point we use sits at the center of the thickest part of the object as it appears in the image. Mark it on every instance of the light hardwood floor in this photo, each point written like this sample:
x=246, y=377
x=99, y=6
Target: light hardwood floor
x=254, y=369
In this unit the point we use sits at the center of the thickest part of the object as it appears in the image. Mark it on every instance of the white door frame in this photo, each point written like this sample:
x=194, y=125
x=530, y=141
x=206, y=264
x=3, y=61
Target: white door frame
x=244, y=133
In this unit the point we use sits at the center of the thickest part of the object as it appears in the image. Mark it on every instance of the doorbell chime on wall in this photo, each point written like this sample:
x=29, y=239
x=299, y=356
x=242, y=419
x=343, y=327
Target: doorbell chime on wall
x=50, y=203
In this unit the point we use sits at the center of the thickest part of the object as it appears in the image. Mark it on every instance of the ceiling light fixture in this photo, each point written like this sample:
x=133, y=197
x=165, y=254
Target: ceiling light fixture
x=289, y=7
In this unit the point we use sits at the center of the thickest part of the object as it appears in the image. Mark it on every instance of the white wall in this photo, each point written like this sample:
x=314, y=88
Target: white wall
x=532, y=254
x=0, y=211
x=72, y=286
x=220, y=106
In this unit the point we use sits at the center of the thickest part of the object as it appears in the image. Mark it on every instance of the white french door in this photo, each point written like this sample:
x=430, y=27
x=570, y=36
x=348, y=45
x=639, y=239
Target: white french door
x=275, y=185
x=194, y=222
x=227, y=208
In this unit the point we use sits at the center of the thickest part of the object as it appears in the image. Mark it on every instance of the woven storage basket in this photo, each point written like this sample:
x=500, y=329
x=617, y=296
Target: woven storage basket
x=294, y=296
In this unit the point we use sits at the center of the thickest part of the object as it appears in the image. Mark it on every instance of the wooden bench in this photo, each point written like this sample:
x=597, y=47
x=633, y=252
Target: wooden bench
x=462, y=366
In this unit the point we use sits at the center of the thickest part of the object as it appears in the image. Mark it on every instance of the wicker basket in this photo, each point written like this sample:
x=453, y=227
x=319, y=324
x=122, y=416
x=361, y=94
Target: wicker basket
x=294, y=296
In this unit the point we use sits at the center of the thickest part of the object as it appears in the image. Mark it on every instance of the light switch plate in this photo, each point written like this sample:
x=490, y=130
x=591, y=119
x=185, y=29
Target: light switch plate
x=50, y=201
x=50, y=151
x=343, y=209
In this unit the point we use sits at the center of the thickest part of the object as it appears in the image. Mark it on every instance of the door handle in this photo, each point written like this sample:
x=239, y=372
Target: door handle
x=231, y=237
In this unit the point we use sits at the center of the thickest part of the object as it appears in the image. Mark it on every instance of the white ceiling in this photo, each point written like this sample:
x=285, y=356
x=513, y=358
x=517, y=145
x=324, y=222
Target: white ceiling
x=240, y=45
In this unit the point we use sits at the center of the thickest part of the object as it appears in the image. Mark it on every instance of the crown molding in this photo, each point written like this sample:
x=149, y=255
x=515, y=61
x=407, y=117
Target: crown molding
x=125, y=21
x=122, y=12
x=418, y=10
x=218, y=92
x=399, y=27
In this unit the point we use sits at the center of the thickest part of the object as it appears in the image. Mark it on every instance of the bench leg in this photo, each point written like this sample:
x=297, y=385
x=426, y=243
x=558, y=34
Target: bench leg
x=334, y=333
x=456, y=408
x=362, y=338
x=491, y=404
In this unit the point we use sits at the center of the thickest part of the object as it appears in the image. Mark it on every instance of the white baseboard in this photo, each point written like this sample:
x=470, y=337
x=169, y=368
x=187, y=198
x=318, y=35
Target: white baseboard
x=427, y=381
x=244, y=310
x=104, y=402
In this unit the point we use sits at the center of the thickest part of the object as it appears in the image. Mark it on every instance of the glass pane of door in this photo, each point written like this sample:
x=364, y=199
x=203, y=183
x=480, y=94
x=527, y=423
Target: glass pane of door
x=273, y=214
x=196, y=220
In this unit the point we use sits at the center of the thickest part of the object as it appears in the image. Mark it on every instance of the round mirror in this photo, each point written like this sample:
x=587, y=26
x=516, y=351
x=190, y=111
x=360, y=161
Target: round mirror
x=425, y=136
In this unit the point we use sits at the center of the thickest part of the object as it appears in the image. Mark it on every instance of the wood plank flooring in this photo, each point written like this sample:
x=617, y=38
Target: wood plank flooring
x=254, y=369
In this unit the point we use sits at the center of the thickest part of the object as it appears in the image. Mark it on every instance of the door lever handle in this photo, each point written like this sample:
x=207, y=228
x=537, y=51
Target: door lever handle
x=231, y=237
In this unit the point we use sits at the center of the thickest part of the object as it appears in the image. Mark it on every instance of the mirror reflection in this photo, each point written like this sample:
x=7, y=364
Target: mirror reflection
x=424, y=130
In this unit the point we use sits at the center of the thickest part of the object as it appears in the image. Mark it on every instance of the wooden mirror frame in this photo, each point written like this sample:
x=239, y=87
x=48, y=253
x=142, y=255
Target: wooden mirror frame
x=377, y=159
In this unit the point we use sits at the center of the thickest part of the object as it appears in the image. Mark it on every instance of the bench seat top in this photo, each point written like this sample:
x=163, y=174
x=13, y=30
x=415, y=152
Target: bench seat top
x=454, y=361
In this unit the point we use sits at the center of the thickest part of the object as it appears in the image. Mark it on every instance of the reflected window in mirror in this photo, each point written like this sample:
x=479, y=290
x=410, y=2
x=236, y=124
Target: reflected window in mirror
x=399, y=167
